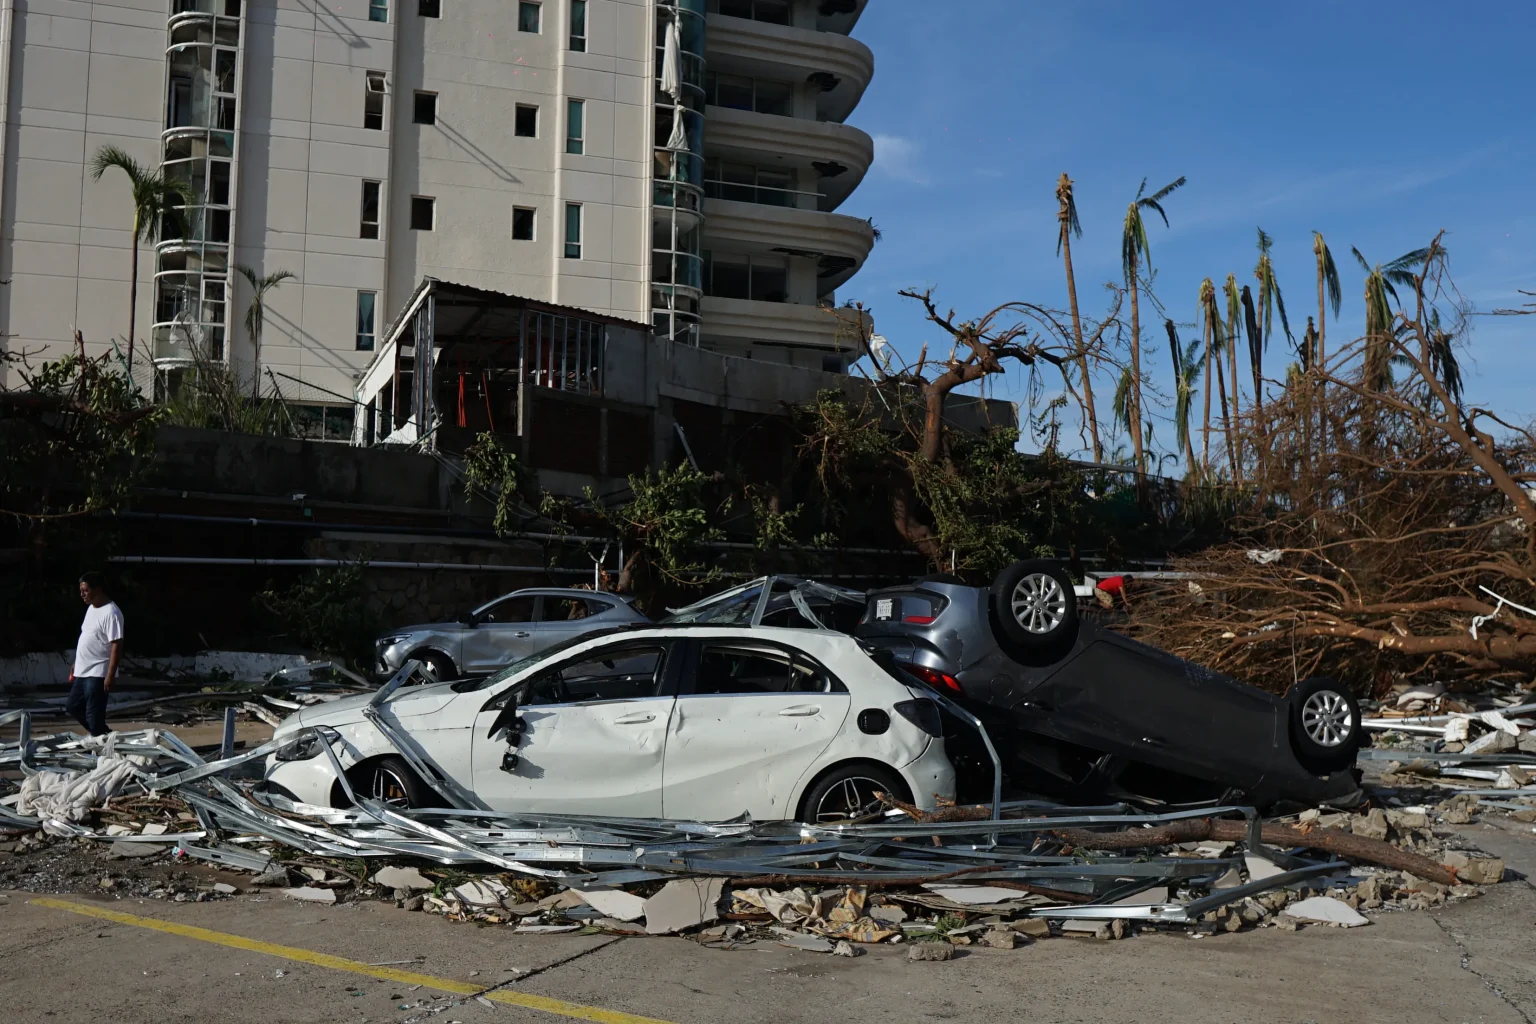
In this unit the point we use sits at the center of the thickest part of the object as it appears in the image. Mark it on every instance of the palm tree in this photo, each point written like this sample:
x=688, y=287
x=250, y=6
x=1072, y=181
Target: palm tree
x=1379, y=297
x=1215, y=343
x=1186, y=371
x=1066, y=216
x=1234, y=311
x=1135, y=250
x=1328, y=293
x=1269, y=301
x=156, y=199
x=255, y=314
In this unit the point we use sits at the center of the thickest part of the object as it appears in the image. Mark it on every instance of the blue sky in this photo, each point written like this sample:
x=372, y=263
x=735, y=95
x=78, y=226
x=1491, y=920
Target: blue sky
x=1376, y=130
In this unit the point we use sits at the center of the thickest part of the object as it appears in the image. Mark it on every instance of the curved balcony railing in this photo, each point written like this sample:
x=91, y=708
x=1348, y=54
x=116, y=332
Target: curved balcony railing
x=682, y=269
x=762, y=195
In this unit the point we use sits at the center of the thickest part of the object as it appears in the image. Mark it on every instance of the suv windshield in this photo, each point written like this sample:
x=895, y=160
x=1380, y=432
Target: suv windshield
x=523, y=664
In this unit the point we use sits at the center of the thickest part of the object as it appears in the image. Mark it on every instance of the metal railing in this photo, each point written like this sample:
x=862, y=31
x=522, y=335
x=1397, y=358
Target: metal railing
x=762, y=195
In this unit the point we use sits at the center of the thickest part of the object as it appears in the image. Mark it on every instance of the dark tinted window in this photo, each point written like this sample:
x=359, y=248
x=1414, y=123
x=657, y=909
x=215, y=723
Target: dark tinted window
x=525, y=121
x=739, y=668
x=510, y=609
x=627, y=673
x=564, y=609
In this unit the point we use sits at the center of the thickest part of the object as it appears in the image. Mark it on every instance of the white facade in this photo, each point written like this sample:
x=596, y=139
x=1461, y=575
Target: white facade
x=271, y=111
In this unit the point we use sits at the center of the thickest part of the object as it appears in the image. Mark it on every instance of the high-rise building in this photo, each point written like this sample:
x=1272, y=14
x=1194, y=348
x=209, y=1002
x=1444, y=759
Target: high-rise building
x=674, y=162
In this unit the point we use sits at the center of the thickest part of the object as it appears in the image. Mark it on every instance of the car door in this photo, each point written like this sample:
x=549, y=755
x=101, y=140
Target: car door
x=503, y=631
x=593, y=736
x=751, y=717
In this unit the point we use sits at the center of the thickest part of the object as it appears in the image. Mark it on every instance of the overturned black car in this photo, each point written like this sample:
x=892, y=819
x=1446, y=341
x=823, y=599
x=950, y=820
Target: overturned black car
x=1077, y=710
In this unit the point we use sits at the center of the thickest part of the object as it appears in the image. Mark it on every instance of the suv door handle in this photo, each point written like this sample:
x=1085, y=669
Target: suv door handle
x=639, y=718
x=801, y=711
x=522, y=633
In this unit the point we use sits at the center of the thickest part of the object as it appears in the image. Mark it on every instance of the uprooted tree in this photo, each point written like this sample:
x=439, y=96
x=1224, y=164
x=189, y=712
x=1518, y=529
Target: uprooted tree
x=1387, y=526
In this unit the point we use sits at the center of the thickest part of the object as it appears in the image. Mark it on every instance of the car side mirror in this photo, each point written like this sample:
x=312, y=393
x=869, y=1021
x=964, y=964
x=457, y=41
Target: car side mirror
x=469, y=619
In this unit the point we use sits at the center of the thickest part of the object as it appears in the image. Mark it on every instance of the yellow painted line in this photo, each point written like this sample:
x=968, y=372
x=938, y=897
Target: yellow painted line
x=527, y=1000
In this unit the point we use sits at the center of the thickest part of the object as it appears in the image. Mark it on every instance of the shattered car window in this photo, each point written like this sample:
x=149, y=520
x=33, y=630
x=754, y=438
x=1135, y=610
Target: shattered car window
x=732, y=610
x=732, y=668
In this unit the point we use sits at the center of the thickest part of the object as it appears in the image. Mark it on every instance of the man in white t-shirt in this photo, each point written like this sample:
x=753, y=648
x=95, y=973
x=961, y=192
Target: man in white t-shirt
x=96, y=656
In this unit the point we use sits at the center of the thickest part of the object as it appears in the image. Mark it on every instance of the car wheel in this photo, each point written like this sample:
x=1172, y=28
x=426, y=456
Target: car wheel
x=848, y=792
x=1035, y=604
x=1325, y=724
x=437, y=665
x=390, y=781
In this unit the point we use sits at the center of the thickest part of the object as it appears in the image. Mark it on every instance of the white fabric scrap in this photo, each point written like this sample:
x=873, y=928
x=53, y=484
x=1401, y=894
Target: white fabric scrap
x=70, y=796
x=1264, y=557
x=672, y=63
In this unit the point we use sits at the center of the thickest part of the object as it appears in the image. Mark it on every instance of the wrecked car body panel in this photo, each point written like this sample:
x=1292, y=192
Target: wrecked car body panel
x=698, y=722
x=1103, y=713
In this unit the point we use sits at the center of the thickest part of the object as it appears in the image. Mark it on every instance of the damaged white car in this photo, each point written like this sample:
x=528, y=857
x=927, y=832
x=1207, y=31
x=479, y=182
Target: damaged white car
x=693, y=722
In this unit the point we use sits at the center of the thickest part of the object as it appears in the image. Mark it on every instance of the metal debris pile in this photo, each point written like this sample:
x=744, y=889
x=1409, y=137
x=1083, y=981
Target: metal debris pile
x=1039, y=869
x=1481, y=749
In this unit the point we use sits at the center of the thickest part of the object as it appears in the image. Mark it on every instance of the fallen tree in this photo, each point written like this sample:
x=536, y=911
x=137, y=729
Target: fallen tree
x=1384, y=533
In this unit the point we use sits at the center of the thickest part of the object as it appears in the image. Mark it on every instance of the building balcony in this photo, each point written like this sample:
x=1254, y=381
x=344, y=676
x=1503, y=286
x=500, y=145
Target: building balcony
x=839, y=244
x=839, y=15
x=839, y=65
x=735, y=325
x=835, y=157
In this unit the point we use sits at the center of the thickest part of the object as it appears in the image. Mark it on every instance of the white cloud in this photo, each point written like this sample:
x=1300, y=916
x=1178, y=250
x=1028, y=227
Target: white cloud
x=897, y=157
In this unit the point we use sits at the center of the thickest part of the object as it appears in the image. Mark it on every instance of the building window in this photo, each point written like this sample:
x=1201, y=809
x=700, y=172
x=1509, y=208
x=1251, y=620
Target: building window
x=526, y=121
x=527, y=16
x=365, y=304
x=429, y=8
x=423, y=213
x=573, y=231
x=741, y=93
x=373, y=101
x=378, y=10
x=574, y=111
x=745, y=183
x=370, y=228
x=522, y=223
x=579, y=25
x=426, y=108
x=736, y=276
x=774, y=12
x=323, y=422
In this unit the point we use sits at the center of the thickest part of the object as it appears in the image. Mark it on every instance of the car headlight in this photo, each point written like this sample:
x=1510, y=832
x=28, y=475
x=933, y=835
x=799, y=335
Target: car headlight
x=305, y=745
x=390, y=641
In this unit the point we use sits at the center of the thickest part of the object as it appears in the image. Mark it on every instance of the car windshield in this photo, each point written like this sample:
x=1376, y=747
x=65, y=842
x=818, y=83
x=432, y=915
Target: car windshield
x=523, y=664
x=734, y=607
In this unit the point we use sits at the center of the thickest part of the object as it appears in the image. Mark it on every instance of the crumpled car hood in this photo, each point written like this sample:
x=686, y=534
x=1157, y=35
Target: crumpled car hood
x=406, y=702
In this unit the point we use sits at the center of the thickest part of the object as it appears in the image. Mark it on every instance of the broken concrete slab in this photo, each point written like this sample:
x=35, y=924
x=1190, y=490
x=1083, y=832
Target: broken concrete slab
x=311, y=894
x=1001, y=938
x=1034, y=927
x=1260, y=868
x=799, y=940
x=930, y=952
x=976, y=895
x=1477, y=870
x=683, y=903
x=617, y=903
x=225, y=888
x=486, y=892
x=1372, y=825
x=1326, y=910
x=401, y=878
x=1496, y=742
x=119, y=850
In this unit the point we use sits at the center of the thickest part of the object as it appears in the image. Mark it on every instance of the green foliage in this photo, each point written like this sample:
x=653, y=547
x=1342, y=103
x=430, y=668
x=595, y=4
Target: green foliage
x=666, y=524
x=1135, y=249
x=327, y=611
x=211, y=399
x=76, y=440
x=491, y=470
x=156, y=198
x=774, y=528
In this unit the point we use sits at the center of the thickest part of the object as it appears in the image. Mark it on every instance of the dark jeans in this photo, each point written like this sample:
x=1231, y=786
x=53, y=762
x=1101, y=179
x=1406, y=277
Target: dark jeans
x=87, y=704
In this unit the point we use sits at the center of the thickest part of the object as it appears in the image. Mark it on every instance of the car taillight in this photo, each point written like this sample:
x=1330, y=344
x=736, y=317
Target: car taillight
x=921, y=620
x=922, y=713
x=936, y=679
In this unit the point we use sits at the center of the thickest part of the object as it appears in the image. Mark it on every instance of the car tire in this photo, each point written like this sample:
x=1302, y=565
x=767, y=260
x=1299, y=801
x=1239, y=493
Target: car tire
x=1325, y=724
x=390, y=781
x=1035, y=604
x=439, y=665
x=846, y=788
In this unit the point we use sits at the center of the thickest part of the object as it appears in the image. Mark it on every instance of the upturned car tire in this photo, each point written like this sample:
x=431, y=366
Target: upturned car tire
x=1325, y=724
x=389, y=780
x=848, y=786
x=1035, y=604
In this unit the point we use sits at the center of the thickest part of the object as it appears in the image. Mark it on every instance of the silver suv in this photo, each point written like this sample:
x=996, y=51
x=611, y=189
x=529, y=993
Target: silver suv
x=501, y=631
